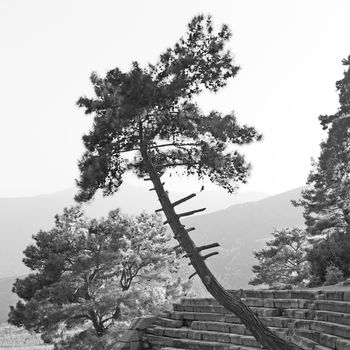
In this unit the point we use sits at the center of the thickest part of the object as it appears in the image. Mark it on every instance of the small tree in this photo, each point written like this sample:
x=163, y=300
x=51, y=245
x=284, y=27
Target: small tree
x=285, y=259
x=151, y=114
x=85, y=273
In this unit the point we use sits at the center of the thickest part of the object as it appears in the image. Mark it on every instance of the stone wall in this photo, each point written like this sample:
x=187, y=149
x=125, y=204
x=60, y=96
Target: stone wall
x=315, y=320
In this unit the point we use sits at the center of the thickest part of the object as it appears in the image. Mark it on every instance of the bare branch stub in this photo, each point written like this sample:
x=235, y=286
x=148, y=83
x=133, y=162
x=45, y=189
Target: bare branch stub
x=191, y=276
x=188, y=213
x=182, y=200
x=153, y=189
x=209, y=255
x=207, y=246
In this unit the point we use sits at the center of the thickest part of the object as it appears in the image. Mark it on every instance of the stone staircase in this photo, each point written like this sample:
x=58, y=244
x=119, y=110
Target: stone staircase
x=314, y=320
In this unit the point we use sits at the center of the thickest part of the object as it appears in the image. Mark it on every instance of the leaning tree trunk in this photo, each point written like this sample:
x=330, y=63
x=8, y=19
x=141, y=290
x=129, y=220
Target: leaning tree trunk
x=228, y=300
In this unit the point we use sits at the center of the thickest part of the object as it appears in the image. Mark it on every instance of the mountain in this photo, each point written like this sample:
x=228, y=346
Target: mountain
x=242, y=229
x=6, y=297
x=20, y=218
x=239, y=228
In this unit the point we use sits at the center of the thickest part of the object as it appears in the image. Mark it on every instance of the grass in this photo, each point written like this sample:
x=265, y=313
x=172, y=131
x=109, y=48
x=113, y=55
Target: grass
x=13, y=338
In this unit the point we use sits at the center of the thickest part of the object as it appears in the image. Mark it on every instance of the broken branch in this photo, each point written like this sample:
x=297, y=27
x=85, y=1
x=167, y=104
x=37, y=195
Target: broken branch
x=209, y=255
x=191, y=212
x=208, y=246
x=194, y=274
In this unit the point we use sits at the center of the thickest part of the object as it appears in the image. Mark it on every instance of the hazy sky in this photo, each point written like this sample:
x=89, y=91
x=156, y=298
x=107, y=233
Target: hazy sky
x=290, y=53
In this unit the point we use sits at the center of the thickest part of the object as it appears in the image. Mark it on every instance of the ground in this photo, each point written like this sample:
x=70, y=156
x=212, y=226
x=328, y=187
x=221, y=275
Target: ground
x=13, y=338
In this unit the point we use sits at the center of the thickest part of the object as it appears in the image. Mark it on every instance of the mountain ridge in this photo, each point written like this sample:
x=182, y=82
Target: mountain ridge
x=240, y=229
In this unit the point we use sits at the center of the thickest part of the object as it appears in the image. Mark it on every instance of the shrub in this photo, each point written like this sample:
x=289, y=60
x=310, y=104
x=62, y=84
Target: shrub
x=333, y=275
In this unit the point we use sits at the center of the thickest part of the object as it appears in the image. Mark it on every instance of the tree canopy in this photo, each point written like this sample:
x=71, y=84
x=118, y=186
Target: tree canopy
x=154, y=108
x=326, y=201
x=95, y=272
x=284, y=261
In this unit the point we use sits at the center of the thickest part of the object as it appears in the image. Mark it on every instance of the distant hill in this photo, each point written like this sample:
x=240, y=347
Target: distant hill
x=20, y=218
x=241, y=229
x=6, y=297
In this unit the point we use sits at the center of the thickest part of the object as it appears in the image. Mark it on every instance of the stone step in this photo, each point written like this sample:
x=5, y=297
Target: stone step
x=220, y=327
x=180, y=343
x=324, y=327
x=199, y=301
x=230, y=328
x=203, y=316
x=280, y=294
x=333, y=306
x=287, y=303
x=278, y=322
x=168, y=322
x=218, y=309
x=333, y=317
x=200, y=308
x=282, y=303
x=303, y=314
x=218, y=337
x=337, y=295
x=307, y=344
x=324, y=339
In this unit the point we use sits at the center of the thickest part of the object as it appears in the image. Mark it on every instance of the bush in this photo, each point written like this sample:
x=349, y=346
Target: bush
x=333, y=275
x=332, y=251
x=88, y=340
x=315, y=281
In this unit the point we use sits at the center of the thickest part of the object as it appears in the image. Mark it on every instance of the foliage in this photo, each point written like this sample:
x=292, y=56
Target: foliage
x=153, y=109
x=326, y=201
x=332, y=250
x=333, y=275
x=88, y=340
x=284, y=261
x=96, y=272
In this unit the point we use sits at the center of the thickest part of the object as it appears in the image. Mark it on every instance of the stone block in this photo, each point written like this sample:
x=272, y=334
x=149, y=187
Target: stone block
x=282, y=294
x=141, y=323
x=237, y=329
x=209, y=336
x=269, y=303
x=342, y=344
x=218, y=327
x=254, y=302
x=250, y=341
x=231, y=318
x=334, y=295
x=130, y=335
x=236, y=339
x=223, y=338
x=121, y=346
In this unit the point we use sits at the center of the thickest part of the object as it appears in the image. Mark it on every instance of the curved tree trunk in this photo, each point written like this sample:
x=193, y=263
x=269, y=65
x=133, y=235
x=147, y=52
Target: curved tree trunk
x=231, y=302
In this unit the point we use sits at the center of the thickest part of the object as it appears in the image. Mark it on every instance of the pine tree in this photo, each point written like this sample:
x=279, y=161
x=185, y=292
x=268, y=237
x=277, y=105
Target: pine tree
x=327, y=200
x=95, y=273
x=150, y=114
x=284, y=261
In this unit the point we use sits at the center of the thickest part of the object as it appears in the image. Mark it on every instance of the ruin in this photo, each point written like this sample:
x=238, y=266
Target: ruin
x=314, y=320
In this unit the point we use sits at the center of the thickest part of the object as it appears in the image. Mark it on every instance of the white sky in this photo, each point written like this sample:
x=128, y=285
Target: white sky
x=290, y=53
